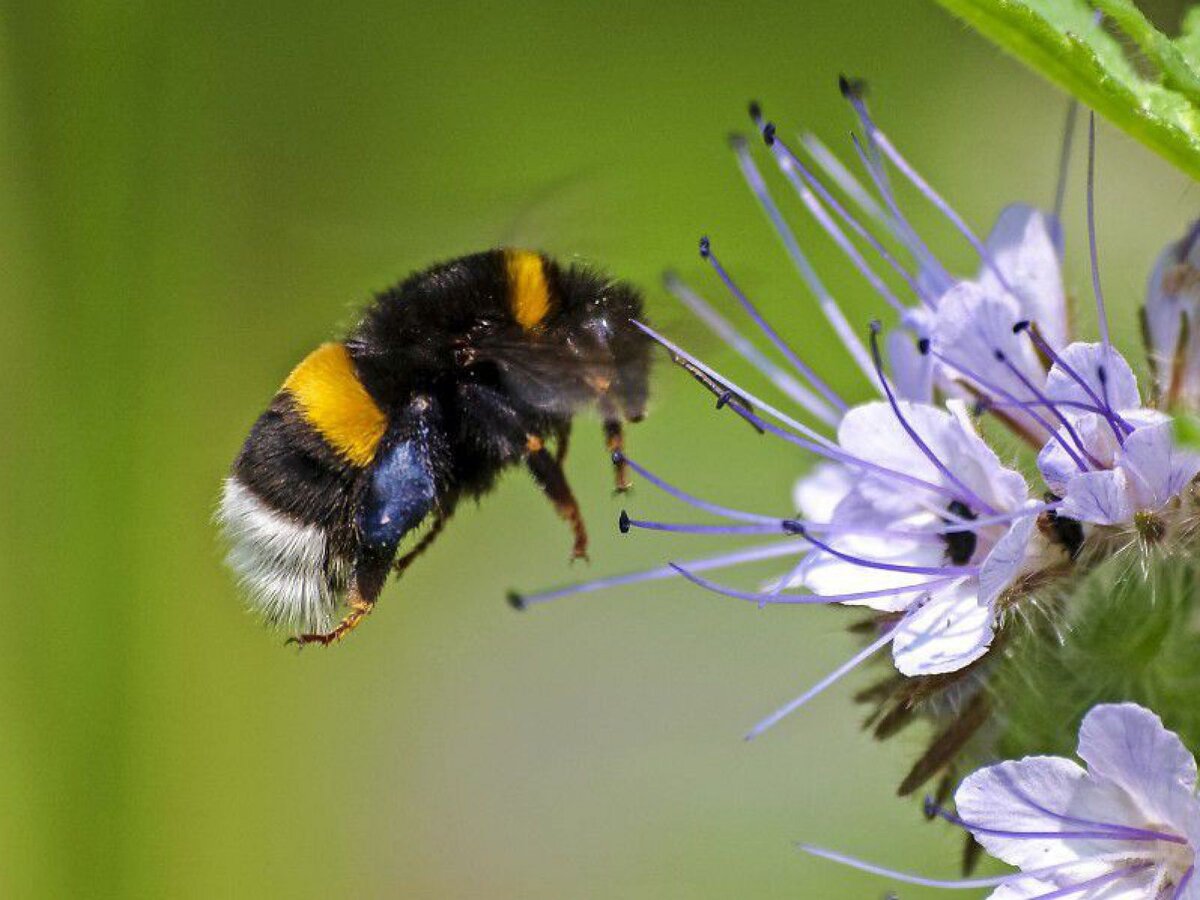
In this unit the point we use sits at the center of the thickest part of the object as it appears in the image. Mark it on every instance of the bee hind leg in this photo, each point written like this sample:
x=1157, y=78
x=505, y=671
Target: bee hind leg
x=553, y=481
x=421, y=546
x=360, y=608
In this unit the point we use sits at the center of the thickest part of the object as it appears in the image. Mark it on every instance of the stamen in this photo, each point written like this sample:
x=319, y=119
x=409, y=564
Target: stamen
x=722, y=328
x=1102, y=406
x=909, y=878
x=881, y=141
x=1102, y=315
x=791, y=164
x=844, y=179
x=692, y=500
x=844, y=244
x=1042, y=399
x=820, y=446
x=1116, y=827
x=976, y=501
x=1102, y=833
x=625, y=523
x=1081, y=886
x=1064, y=164
x=773, y=336
x=951, y=571
x=704, y=564
x=832, y=678
x=716, y=376
x=917, y=247
x=1024, y=405
x=809, y=599
x=1183, y=883
x=825, y=301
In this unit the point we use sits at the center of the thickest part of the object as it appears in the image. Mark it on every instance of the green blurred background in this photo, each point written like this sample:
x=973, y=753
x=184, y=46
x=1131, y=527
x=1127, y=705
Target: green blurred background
x=196, y=194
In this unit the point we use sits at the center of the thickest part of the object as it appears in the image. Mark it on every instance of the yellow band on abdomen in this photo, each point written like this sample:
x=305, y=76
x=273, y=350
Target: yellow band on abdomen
x=332, y=399
x=528, y=292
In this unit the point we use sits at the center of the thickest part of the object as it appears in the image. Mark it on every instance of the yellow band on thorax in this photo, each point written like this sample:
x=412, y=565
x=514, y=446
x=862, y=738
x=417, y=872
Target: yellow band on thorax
x=528, y=292
x=332, y=399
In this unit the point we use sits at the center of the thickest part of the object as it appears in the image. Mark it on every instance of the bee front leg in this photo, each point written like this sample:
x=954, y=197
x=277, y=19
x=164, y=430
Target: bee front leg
x=553, y=481
x=614, y=439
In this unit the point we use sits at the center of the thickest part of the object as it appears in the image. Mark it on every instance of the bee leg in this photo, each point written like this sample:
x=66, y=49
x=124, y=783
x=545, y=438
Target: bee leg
x=562, y=441
x=422, y=545
x=614, y=439
x=550, y=477
x=360, y=608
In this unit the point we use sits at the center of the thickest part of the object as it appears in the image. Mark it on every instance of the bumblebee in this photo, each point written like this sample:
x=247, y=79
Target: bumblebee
x=453, y=375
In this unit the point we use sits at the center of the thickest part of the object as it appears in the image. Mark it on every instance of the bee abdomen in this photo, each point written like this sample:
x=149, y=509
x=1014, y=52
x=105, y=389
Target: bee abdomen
x=289, y=569
x=287, y=508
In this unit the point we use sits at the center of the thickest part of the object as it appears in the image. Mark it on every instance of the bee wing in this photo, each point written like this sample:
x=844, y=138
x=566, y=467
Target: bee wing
x=556, y=378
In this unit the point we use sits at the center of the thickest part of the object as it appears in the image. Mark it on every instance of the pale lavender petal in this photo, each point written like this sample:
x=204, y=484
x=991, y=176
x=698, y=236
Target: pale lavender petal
x=951, y=630
x=1022, y=249
x=1098, y=497
x=1006, y=560
x=1157, y=469
x=1129, y=745
x=1086, y=360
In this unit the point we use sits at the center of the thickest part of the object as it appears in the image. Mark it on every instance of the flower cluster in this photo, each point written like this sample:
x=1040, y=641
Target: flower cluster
x=963, y=564
x=909, y=511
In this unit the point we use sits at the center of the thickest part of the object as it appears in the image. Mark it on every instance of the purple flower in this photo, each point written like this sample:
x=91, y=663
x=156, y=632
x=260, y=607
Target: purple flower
x=1124, y=462
x=1125, y=826
x=1172, y=321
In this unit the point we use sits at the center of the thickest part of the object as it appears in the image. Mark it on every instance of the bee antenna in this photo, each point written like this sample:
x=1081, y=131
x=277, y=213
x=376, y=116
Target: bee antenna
x=516, y=601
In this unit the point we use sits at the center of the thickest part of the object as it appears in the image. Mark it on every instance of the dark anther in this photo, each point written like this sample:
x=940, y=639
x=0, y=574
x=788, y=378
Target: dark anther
x=618, y=457
x=755, y=110
x=960, y=545
x=705, y=247
x=623, y=522
x=923, y=346
x=723, y=399
x=791, y=526
x=981, y=406
x=737, y=140
x=769, y=134
x=852, y=88
x=930, y=808
x=516, y=601
x=1021, y=326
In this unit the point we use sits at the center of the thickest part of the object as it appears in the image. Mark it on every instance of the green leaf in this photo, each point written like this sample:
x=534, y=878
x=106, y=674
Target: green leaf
x=1063, y=41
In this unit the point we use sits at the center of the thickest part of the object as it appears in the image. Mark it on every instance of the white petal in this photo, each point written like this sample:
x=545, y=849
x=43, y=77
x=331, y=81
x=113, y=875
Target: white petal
x=1032, y=796
x=1006, y=560
x=1021, y=246
x=817, y=493
x=951, y=630
x=1128, y=745
x=1099, y=497
x=1086, y=360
